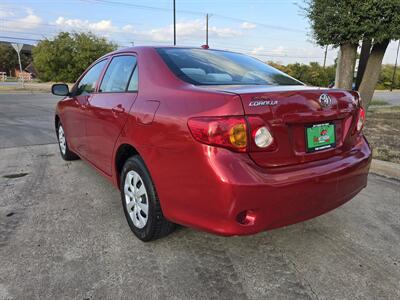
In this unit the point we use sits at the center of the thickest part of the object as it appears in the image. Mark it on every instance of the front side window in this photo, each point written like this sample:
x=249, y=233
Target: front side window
x=118, y=73
x=87, y=84
x=214, y=67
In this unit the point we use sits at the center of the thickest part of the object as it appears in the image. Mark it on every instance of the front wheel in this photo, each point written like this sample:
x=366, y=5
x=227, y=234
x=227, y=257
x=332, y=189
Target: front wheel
x=66, y=154
x=140, y=202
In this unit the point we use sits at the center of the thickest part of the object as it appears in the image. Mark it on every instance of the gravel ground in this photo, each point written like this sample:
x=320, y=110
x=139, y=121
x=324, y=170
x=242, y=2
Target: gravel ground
x=63, y=236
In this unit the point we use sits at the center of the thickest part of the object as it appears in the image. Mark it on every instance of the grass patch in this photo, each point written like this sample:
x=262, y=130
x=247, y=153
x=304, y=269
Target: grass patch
x=379, y=102
x=383, y=132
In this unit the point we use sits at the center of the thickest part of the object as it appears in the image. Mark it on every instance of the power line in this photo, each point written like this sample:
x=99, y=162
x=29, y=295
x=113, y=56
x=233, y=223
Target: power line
x=26, y=32
x=111, y=2
x=17, y=38
x=243, y=50
x=28, y=22
x=140, y=6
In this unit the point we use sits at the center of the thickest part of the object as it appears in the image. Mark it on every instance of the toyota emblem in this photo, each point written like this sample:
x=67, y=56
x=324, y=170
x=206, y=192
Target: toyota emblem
x=325, y=100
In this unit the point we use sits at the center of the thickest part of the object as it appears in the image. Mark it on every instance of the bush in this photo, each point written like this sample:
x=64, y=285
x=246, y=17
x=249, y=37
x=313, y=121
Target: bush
x=313, y=74
x=385, y=79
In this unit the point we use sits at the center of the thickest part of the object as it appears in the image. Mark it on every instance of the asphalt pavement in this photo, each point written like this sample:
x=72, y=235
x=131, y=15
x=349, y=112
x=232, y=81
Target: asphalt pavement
x=63, y=235
x=393, y=98
x=27, y=119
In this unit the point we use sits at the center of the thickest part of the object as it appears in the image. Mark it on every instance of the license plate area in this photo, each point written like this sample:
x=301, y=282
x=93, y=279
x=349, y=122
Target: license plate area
x=320, y=137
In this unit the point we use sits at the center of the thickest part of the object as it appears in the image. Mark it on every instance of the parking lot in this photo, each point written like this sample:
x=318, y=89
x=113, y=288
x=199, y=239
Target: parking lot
x=63, y=235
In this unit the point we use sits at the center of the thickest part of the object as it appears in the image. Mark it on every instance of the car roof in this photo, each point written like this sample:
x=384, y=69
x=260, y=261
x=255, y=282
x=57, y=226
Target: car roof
x=138, y=49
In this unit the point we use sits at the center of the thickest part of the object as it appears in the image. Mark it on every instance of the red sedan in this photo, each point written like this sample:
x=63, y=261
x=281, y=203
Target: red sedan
x=213, y=140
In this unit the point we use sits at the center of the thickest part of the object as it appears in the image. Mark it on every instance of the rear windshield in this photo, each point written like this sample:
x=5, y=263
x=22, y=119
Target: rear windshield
x=214, y=67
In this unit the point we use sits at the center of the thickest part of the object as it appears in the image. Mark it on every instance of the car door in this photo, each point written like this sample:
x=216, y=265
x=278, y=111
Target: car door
x=108, y=110
x=74, y=120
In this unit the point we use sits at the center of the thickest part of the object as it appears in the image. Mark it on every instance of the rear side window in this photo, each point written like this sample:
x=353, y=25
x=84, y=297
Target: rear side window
x=133, y=84
x=214, y=67
x=87, y=84
x=118, y=74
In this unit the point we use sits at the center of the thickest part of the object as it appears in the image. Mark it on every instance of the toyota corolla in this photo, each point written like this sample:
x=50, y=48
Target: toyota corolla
x=213, y=140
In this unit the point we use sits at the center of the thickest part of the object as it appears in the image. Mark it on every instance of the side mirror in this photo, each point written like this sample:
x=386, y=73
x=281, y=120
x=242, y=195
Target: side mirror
x=60, y=89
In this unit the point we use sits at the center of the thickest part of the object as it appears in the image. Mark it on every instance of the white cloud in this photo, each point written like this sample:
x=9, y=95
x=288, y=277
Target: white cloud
x=188, y=29
x=257, y=50
x=225, y=32
x=5, y=12
x=247, y=25
x=103, y=26
x=29, y=21
x=280, y=50
x=128, y=29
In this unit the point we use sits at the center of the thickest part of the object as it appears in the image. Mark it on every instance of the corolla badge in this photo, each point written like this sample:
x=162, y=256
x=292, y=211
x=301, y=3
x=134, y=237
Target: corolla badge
x=262, y=101
x=325, y=100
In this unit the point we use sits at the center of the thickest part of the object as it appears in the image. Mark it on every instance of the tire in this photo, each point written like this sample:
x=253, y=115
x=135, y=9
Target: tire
x=66, y=154
x=140, y=202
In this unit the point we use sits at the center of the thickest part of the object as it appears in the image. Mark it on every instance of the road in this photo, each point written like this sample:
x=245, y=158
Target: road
x=26, y=119
x=12, y=83
x=63, y=235
x=392, y=98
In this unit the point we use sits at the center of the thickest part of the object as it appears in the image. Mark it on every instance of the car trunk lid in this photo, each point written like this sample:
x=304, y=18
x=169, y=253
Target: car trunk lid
x=289, y=110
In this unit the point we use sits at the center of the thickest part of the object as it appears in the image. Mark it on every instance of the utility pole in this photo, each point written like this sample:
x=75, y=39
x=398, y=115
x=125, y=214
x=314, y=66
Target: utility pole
x=326, y=52
x=174, y=24
x=207, y=29
x=395, y=68
x=337, y=74
x=18, y=48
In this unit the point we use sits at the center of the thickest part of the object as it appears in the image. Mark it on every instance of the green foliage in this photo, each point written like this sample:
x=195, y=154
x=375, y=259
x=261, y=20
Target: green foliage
x=349, y=21
x=385, y=78
x=68, y=55
x=313, y=74
x=9, y=59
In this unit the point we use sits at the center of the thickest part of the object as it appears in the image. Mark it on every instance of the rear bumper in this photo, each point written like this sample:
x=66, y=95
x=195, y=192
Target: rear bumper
x=232, y=183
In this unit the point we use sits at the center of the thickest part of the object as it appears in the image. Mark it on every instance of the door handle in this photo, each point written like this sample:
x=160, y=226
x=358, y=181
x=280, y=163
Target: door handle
x=118, y=109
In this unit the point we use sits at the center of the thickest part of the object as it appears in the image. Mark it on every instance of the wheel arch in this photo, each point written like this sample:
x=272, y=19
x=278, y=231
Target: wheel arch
x=56, y=121
x=123, y=152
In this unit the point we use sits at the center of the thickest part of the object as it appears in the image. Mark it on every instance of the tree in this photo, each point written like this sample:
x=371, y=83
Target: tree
x=66, y=56
x=364, y=56
x=9, y=59
x=382, y=26
x=345, y=23
x=337, y=23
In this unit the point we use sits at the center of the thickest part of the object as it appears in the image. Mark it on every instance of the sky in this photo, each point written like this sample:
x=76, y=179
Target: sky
x=271, y=30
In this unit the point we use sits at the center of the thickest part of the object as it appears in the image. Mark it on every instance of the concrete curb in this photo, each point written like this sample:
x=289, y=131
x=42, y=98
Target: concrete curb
x=385, y=168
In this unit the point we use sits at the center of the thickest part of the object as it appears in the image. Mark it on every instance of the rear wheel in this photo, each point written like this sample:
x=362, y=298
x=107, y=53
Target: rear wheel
x=140, y=201
x=66, y=154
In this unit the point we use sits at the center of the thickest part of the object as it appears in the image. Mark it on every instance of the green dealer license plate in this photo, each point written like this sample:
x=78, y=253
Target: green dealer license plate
x=320, y=137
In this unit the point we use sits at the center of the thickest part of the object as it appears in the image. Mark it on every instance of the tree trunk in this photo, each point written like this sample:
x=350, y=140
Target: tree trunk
x=372, y=72
x=364, y=55
x=345, y=65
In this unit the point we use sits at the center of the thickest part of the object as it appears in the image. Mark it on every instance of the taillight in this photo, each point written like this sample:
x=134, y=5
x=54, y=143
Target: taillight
x=360, y=119
x=262, y=138
x=227, y=132
x=232, y=133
